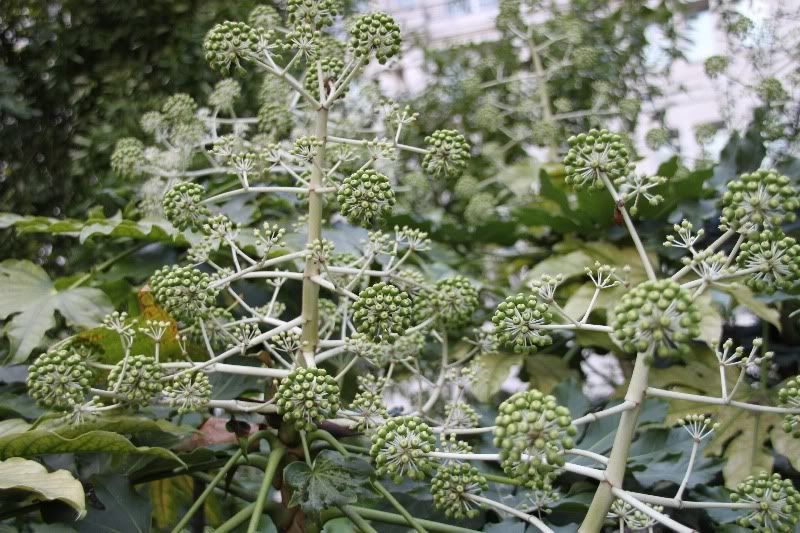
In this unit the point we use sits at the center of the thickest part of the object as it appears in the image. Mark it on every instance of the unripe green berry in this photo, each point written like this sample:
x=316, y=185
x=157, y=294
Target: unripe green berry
x=517, y=323
x=59, y=380
x=306, y=397
x=366, y=197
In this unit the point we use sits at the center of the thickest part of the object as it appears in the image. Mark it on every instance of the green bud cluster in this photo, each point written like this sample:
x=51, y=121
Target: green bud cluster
x=188, y=392
x=127, y=157
x=366, y=197
x=370, y=411
x=760, y=200
x=480, y=209
x=332, y=68
x=789, y=396
x=229, y=43
x=375, y=33
x=400, y=448
x=179, y=107
x=264, y=16
x=59, y=380
x=716, y=65
x=595, y=155
x=777, y=258
x=451, y=486
x=226, y=92
x=275, y=119
x=771, y=90
x=448, y=154
x=382, y=312
x=183, y=292
x=306, y=397
x=632, y=517
x=454, y=300
x=136, y=379
x=532, y=432
x=461, y=415
x=182, y=206
x=658, y=316
x=466, y=187
x=518, y=322
x=777, y=500
x=305, y=147
x=656, y=138
x=316, y=13
x=287, y=342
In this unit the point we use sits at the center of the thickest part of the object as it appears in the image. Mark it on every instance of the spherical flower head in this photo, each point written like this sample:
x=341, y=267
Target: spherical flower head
x=183, y=208
x=136, y=379
x=184, y=292
x=760, y=200
x=789, y=396
x=775, y=259
x=656, y=138
x=466, y=187
x=480, y=209
x=59, y=380
x=226, y=92
x=532, y=433
x=264, y=16
x=332, y=68
x=369, y=411
x=656, y=317
x=518, y=322
x=188, y=392
x=316, y=13
x=771, y=90
x=275, y=119
x=585, y=57
x=716, y=65
x=179, y=107
x=400, y=447
x=152, y=122
x=451, y=487
x=778, y=503
x=461, y=415
x=229, y=43
x=127, y=157
x=382, y=312
x=593, y=156
x=306, y=397
x=366, y=197
x=454, y=300
x=375, y=33
x=448, y=154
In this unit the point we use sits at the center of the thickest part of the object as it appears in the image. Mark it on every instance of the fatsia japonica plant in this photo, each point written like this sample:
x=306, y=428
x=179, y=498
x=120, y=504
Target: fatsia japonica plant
x=324, y=315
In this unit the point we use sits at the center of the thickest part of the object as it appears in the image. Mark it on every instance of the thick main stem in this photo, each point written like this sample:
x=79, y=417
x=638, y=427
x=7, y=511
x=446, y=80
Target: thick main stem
x=617, y=460
x=310, y=314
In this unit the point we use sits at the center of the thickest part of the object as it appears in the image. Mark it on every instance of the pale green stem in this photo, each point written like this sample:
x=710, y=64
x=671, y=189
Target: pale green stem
x=685, y=481
x=399, y=508
x=541, y=526
x=661, y=393
x=357, y=519
x=273, y=462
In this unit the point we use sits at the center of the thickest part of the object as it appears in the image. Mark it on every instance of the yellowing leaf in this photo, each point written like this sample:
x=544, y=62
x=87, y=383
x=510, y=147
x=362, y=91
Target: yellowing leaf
x=21, y=474
x=745, y=297
x=493, y=371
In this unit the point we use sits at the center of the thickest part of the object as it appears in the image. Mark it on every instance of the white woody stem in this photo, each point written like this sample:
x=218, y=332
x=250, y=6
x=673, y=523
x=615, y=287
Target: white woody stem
x=661, y=393
x=592, y=417
x=541, y=526
x=652, y=513
x=685, y=481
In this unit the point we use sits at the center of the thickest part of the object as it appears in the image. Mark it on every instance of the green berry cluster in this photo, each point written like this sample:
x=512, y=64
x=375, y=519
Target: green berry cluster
x=480, y=209
x=226, y=92
x=332, y=68
x=179, y=107
x=382, y=312
x=760, y=200
x=369, y=410
x=188, y=392
x=316, y=13
x=182, y=206
x=229, y=43
x=777, y=501
x=376, y=33
x=716, y=65
x=400, y=448
x=775, y=258
x=593, y=156
x=532, y=432
x=184, y=292
x=518, y=322
x=59, y=380
x=461, y=415
x=275, y=119
x=454, y=300
x=448, y=154
x=632, y=517
x=451, y=487
x=136, y=379
x=306, y=397
x=789, y=396
x=127, y=157
x=658, y=316
x=264, y=16
x=366, y=197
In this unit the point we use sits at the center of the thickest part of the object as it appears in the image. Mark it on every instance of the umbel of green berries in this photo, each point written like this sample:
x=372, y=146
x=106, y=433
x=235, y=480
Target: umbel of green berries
x=127, y=157
x=451, y=487
x=776, y=258
x=777, y=501
x=763, y=199
x=366, y=197
x=375, y=33
x=229, y=43
x=448, y=154
x=184, y=292
x=188, y=392
x=275, y=119
x=369, y=409
x=332, y=68
x=59, y=380
x=182, y=206
x=518, y=322
x=454, y=300
x=400, y=448
x=136, y=379
x=593, y=156
x=532, y=432
x=382, y=312
x=789, y=396
x=658, y=316
x=306, y=397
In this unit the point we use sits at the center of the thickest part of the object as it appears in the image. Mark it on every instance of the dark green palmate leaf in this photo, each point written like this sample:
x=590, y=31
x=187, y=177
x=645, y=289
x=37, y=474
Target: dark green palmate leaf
x=332, y=480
